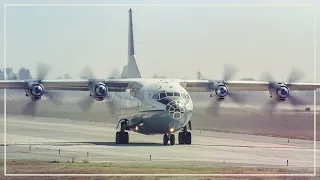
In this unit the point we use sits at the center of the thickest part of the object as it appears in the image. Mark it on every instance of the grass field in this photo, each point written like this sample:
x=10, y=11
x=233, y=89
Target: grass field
x=41, y=167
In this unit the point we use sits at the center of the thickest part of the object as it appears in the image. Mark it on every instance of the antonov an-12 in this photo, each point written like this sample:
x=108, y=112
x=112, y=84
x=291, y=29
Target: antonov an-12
x=154, y=106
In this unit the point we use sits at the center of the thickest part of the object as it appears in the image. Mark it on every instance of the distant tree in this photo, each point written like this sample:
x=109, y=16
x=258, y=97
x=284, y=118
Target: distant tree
x=158, y=77
x=9, y=71
x=1, y=74
x=59, y=77
x=11, y=75
x=67, y=76
x=24, y=74
x=247, y=79
x=115, y=73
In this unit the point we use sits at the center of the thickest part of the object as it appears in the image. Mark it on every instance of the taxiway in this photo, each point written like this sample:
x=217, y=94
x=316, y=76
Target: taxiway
x=41, y=138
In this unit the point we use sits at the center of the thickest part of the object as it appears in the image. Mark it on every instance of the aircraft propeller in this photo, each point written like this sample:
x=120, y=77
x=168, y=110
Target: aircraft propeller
x=229, y=72
x=87, y=73
x=55, y=97
x=294, y=76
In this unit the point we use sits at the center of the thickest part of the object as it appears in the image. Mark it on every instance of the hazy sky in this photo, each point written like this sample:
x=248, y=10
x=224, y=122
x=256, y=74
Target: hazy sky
x=171, y=41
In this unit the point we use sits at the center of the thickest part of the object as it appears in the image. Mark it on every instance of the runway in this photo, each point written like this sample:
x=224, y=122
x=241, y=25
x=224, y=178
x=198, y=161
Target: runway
x=41, y=138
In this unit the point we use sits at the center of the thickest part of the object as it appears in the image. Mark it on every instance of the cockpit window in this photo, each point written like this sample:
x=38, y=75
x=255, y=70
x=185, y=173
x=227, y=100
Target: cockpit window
x=162, y=95
x=169, y=93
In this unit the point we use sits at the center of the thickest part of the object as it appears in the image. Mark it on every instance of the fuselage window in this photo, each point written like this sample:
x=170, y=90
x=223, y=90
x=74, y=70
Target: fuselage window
x=177, y=94
x=162, y=95
x=169, y=93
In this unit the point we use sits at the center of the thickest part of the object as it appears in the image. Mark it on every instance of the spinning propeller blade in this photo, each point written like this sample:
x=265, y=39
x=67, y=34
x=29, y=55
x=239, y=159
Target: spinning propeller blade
x=86, y=103
x=229, y=72
x=42, y=72
x=294, y=76
x=87, y=73
x=30, y=108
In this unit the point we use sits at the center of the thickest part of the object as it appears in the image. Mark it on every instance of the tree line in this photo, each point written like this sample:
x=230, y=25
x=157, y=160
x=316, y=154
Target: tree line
x=23, y=74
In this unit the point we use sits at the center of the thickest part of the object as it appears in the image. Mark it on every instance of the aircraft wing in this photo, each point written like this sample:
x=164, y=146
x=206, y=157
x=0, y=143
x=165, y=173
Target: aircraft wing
x=114, y=85
x=120, y=85
x=207, y=85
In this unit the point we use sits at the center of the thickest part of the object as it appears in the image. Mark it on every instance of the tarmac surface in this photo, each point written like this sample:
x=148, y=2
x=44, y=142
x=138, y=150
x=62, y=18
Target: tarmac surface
x=216, y=140
x=41, y=138
x=246, y=119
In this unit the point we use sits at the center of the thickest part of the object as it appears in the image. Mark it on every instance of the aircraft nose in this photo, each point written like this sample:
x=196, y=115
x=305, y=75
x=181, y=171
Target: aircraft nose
x=176, y=109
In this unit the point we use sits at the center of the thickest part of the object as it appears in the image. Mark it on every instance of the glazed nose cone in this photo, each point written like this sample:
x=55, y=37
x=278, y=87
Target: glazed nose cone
x=176, y=109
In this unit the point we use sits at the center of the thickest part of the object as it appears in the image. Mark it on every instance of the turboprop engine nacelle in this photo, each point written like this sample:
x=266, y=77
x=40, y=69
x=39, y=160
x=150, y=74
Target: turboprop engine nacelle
x=99, y=91
x=35, y=91
x=280, y=91
x=220, y=90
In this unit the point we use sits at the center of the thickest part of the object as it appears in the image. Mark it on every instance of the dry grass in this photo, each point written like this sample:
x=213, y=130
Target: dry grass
x=40, y=167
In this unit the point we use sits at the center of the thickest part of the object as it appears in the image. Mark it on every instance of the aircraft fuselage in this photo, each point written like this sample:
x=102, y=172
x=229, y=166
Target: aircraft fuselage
x=156, y=106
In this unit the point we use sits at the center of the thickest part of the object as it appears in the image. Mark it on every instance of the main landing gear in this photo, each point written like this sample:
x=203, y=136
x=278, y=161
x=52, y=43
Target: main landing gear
x=185, y=136
x=122, y=137
x=167, y=138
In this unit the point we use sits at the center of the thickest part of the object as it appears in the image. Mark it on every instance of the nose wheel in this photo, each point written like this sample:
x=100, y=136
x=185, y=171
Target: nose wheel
x=167, y=138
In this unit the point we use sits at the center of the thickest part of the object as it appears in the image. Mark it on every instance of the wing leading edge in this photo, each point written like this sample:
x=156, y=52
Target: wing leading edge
x=207, y=85
x=120, y=85
x=114, y=85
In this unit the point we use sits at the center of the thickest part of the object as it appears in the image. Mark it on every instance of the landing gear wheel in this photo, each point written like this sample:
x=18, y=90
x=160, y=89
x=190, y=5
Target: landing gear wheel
x=125, y=137
x=180, y=138
x=122, y=137
x=165, y=139
x=172, y=139
x=188, y=138
x=118, y=138
x=185, y=138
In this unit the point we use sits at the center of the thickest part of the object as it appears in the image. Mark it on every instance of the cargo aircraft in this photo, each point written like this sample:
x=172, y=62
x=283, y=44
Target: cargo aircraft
x=155, y=106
